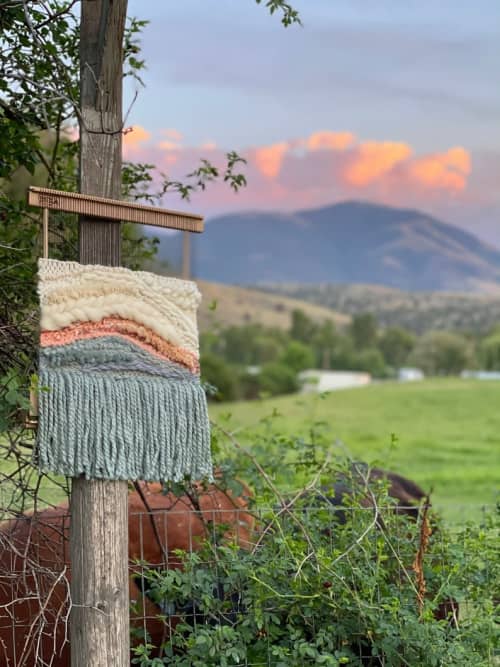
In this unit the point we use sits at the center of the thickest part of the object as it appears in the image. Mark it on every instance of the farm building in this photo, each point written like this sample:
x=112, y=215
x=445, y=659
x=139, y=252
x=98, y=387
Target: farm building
x=318, y=380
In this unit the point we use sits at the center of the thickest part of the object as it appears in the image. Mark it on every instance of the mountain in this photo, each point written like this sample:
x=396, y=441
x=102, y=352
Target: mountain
x=350, y=242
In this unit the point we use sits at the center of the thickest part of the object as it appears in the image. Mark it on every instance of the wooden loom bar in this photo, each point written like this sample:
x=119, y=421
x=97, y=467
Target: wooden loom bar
x=113, y=209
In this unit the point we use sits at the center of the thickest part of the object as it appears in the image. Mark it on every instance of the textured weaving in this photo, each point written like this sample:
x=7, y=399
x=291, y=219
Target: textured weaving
x=120, y=395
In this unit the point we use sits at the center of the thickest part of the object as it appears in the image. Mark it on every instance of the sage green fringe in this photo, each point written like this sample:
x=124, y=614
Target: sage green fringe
x=122, y=426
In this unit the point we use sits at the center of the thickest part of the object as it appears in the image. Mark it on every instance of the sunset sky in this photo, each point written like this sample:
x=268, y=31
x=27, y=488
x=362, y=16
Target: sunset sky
x=384, y=101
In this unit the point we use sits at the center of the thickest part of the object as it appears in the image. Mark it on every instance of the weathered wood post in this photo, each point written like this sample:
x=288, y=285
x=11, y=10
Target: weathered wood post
x=99, y=623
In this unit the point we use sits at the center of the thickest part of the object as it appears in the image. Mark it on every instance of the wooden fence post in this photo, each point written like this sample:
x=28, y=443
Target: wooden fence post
x=99, y=623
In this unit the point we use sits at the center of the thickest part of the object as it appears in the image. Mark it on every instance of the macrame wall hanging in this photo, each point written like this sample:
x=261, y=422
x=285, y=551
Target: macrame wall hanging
x=120, y=395
x=119, y=388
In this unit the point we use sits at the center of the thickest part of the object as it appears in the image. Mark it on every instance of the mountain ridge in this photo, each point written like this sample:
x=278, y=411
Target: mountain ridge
x=348, y=242
x=417, y=311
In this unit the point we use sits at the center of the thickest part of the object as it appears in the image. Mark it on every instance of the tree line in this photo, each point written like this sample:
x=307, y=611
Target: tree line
x=249, y=361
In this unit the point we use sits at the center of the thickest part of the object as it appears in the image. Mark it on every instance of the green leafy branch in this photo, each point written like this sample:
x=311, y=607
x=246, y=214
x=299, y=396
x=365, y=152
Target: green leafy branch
x=207, y=173
x=289, y=15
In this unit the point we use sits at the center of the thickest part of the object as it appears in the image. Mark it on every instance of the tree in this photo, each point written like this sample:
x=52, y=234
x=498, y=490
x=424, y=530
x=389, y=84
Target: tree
x=302, y=328
x=267, y=347
x=363, y=330
x=249, y=345
x=371, y=361
x=275, y=379
x=324, y=342
x=489, y=352
x=237, y=344
x=219, y=376
x=396, y=343
x=297, y=356
x=343, y=355
x=441, y=353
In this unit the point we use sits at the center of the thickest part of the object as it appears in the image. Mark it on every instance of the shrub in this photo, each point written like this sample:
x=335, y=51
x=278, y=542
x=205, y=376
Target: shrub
x=297, y=356
x=396, y=344
x=342, y=354
x=302, y=328
x=489, y=352
x=363, y=330
x=249, y=385
x=371, y=361
x=221, y=378
x=275, y=379
x=316, y=591
x=441, y=353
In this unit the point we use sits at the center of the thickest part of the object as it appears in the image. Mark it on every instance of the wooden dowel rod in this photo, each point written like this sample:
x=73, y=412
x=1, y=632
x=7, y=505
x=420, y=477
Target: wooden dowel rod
x=45, y=232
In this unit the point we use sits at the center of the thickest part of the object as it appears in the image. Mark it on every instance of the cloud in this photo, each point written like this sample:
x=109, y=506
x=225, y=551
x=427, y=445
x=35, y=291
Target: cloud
x=269, y=158
x=173, y=140
x=319, y=169
x=447, y=170
x=134, y=136
x=173, y=134
x=169, y=145
x=329, y=140
x=170, y=159
x=372, y=160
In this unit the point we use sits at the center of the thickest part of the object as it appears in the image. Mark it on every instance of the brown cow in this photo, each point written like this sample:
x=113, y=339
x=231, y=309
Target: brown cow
x=34, y=565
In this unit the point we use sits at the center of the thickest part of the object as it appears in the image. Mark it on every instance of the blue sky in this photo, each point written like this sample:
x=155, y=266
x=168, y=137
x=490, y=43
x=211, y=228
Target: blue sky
x=423, y=74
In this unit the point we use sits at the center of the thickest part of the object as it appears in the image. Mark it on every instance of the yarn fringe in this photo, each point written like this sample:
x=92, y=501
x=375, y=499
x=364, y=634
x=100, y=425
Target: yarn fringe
x=122, y=426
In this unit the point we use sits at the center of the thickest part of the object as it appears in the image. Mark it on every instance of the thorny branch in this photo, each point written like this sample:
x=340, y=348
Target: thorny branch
x=418, y=563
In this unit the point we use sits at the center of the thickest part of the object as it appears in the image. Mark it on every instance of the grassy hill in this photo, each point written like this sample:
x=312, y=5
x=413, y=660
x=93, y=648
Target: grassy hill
x=447, y=433
x=238, y=306
x=417, y=311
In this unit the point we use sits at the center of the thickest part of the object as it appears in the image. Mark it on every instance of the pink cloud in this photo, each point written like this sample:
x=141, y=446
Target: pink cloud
x=446, y=171
x=372, y=160
x=170, y=159
x=315, y=170
x=135, y=136
x=326, y=140
x=269, y=158
x=169, y=145
x=173, y=134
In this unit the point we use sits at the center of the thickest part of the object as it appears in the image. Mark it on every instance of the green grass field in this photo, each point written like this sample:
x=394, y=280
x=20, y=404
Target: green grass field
x=447, y=433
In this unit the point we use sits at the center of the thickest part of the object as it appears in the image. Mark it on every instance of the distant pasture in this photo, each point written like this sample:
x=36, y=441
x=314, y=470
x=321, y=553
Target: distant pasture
x=444, y=434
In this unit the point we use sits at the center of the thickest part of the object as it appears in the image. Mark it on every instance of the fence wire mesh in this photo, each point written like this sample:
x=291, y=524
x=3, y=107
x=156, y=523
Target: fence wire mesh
x=213, y=583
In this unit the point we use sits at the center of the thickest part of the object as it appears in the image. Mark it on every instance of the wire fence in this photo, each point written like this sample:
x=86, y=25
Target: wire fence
x=216, y=582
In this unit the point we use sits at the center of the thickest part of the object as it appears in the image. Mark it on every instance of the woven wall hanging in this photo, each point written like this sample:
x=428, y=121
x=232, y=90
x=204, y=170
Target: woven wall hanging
x=120, y=394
